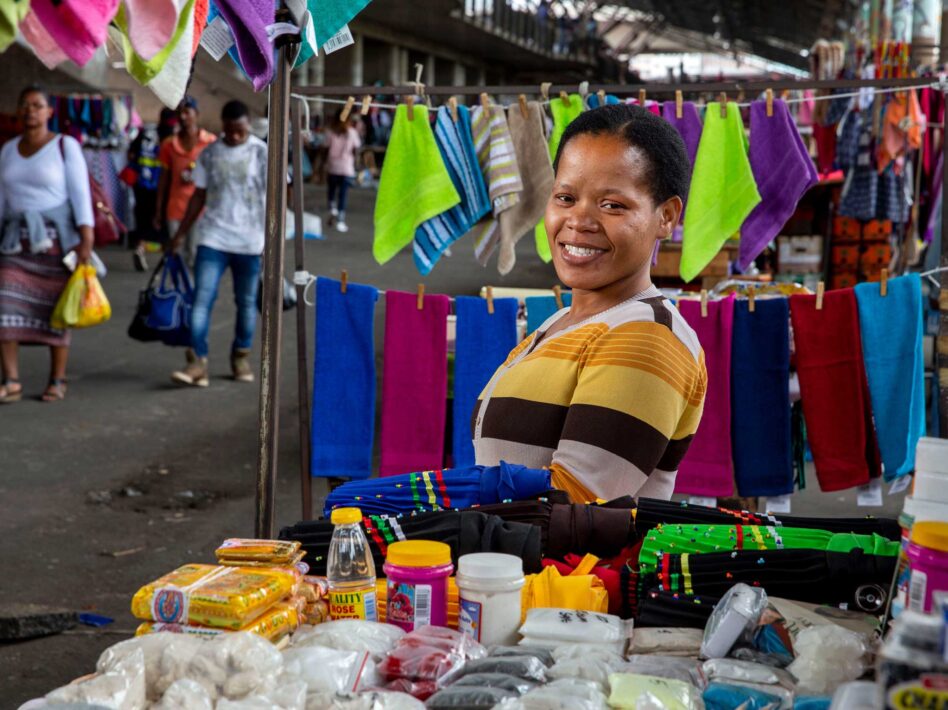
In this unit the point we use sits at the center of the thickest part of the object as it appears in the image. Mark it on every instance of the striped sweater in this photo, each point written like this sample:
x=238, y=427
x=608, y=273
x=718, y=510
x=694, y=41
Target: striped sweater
x=610, y=404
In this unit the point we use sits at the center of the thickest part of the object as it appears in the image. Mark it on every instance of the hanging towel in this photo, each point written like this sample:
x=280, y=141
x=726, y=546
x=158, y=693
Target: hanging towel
x=722, y=191
x=783, y=171
x=414, y=185
x=12, y=13
x=144, y=70
x=760, y=398
x=43, y=45
x=833, y=390
x=170, y=84
x=329, y=16
x=541, y=308
x=498, y=160
x=688, y=126
x=536, y=174
x=892, y=329
x=248, y=21
x=593, y=101
x=456, y=144
x=343, y=418
x=563, y=115
x=201, y=11
x=77, y=26
x=414, y=383
x=707, y=469
x=483, y=342
x=151, y=24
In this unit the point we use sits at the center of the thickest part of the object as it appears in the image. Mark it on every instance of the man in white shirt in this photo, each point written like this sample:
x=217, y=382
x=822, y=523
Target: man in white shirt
x=230, y=179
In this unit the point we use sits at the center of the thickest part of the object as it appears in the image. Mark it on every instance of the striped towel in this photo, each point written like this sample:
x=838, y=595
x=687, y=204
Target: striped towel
x=457, y=149
x=498, y=160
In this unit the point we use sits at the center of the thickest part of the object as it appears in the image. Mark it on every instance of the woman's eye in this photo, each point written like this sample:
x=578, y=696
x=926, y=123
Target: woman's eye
x=613, y=205
x=564, y=199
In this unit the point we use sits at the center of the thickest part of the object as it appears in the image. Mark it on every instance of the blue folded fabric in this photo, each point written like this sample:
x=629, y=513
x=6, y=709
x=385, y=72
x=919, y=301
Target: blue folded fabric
x=509, y=482
x=760, y=398
x=456, y=143
x=539, y=308
x=724, y=696
x=343, y=426
x=892, y=329
x=483, y=342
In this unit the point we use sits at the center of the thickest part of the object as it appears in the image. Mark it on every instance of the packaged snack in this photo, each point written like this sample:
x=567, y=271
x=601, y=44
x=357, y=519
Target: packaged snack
x=315, y=614
x=212, y=595
x=328, y=669
x=273, y=625
x=496, y=680
x=554, y=627
x=431, y=653
x=277, y=552
x=545, y=655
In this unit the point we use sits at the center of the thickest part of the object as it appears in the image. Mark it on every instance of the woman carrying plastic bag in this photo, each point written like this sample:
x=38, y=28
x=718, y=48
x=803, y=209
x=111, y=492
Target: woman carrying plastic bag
x=83, y=303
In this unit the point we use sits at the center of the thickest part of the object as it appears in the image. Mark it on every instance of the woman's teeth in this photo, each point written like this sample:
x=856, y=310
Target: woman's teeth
x=580, y=251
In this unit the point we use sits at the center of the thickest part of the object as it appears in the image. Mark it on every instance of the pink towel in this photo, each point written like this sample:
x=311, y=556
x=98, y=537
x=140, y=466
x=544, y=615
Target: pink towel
x=43, y=46
x=151, y=24
x=248, y=21
x=708, y=469
x=414, y=383
x=77, y=26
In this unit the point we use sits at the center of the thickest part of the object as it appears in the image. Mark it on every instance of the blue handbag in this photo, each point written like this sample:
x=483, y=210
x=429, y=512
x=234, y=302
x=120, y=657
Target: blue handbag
x=169, y=315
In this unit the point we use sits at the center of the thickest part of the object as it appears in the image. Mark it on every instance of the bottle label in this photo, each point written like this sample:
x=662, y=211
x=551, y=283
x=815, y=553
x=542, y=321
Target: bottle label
x=918, y=585
x=469, y=618
x=353, y=604
x=409, y=605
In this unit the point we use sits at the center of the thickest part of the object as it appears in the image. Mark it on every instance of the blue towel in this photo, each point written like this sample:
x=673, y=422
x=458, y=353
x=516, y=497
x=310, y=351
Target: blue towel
x=760, y=398
x=456, y=143
x=539, y=308
x=483, y=342
x=343, y=428
x=891, y=329
x=593, y=100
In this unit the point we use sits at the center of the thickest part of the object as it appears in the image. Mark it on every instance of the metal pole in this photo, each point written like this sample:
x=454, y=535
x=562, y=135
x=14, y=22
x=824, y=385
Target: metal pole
x=941, y=362
x=272, y=310
x=302, y=363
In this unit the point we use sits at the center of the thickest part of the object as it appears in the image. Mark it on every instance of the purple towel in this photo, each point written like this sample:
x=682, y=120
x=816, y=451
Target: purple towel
x=689, y=126
x=248, y=21
x=783, y=171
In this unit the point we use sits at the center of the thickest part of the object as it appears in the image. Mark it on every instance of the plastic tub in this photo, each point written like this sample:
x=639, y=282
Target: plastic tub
x=489, y=585
x=417, y=572
x=928, y=562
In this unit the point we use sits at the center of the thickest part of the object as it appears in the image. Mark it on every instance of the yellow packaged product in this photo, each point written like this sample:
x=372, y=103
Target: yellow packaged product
x=212, y=595
x=277, y=552
x=316, y=613
x=282, y=619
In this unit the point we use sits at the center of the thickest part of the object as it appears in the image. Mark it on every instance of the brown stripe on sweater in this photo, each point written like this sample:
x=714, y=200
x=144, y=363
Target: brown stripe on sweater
x=662, y=316
x=674, y=453
x=523, y=421
x=620, y=434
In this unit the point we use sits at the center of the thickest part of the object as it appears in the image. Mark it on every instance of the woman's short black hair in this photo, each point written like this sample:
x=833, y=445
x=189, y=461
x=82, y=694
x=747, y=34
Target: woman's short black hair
x=668, y=173
x=234, y=111
x=34, y=89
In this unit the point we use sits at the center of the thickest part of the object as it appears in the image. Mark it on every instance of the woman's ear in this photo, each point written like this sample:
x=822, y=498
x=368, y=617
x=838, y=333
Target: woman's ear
x=669, y=215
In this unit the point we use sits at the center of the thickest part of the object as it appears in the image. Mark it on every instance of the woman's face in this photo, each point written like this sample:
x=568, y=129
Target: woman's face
x=601, y=220
x=34, y=111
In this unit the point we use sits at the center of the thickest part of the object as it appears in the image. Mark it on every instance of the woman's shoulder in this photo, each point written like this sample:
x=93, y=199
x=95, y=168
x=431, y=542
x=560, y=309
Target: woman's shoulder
x=653, y=320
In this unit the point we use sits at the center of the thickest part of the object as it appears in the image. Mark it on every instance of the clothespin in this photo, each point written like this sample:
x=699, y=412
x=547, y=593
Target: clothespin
x=485, y=101
x=421, y=297
x=820, y=289
x=722, y=99
x=524, y=111
x=770, y=102
x=564, y=97
x=704, y=303
x=751, y=299
x=678, y=102
x=490, y=300
x=602, y=97
x=545, y=90
x=347, y=109
x=558, y=295
x=366, y=104
x=884, y=283
x=410, y=103
x=642, y=97
x=343, y=281
x=453, y=108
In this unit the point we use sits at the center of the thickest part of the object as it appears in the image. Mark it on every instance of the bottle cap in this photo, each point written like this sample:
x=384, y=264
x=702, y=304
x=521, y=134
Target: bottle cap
x=418, y=553
x=932, y=535
x=346, y=516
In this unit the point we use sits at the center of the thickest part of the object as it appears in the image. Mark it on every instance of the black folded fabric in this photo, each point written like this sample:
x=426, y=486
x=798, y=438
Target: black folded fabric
x=652, y=512
x=659, y=608
x=464, y=531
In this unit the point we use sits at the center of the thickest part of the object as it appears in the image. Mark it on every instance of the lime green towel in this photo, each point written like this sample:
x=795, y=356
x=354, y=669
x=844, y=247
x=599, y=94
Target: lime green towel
x=144, y=70
x=11, y=13
x=414, y=186
x=723, y=191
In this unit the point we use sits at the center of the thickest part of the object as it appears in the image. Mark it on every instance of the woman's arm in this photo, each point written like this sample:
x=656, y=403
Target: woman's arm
x=80, y=196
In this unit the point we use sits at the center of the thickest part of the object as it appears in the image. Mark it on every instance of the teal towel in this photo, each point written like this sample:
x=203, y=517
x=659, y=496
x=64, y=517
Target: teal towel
x=540, y=308
x=329, y=16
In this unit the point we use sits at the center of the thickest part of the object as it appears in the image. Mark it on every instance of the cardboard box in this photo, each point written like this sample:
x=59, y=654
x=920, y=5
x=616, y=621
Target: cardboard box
x=876, y=230
x=875, y=256
x=845, y=257
x=845, y=279
x=846, y=229
x=800, y=255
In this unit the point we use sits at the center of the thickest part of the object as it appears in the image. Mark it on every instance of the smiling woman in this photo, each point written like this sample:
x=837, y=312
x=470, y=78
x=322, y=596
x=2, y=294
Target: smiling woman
x=609, y=392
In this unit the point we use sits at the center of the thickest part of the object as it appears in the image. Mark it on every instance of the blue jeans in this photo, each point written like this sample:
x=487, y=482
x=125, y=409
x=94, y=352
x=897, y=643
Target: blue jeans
x=338, y=184
x=209, y=267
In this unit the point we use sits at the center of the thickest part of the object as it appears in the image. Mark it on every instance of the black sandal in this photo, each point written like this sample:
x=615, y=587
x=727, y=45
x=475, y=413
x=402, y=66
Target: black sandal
x=55, y=391
x=9, y=397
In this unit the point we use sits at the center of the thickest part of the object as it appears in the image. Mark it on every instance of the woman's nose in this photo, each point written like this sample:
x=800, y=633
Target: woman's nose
x=580, y=218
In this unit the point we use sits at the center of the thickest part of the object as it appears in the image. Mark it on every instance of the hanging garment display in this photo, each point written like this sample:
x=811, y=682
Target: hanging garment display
x=78, y=27
x=484, y=340
x=592, y=101
x=41, y=42
x=152, y=24
x=328, y=17
x=891, y=328
x=343, y=421
x=170, y=84
x=201, y=11
x=689, y=126
x=414, y=383
x=723, y=192
x=414, y=185
x=707, y=469
x=12, y=13
x=760, y=398
x=144, y=70
x=248, y=21
x=541, y=308
x=833, y=389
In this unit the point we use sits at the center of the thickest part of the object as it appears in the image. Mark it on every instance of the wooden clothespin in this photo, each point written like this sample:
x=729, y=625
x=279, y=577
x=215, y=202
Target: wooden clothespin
x=421, y=297
x=558, y=295
x=770, y=102
x=602, y=97
x=722, y=99
x=820, y=290
x=490, y=300
x=564, y=97
x=366, y=104
x=679, y=100
x=704, y=303
x=453, y=108
x=485, y=101
x=524, y=111
x=884, y=283
x=641, y=97
x=343, y=281
x=751, y=299
x=410, y=103
x=347, y=109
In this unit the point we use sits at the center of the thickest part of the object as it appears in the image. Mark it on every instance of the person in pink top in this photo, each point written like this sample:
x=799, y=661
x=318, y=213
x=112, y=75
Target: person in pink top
x=343, y=141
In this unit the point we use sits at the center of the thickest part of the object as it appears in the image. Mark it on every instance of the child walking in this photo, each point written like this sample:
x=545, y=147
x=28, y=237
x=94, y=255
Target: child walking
x=342, y=142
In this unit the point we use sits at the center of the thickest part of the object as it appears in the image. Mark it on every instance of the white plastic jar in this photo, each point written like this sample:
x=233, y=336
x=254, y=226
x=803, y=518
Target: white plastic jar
x=489, y=585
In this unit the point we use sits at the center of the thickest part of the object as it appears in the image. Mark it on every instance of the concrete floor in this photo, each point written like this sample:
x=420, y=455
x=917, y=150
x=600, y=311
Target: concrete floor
x=130, y=477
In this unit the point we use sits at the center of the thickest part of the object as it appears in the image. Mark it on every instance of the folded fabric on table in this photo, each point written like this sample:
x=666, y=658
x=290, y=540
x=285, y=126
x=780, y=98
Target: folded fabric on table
x=574, y=565
x=658, y=608
x=891, y=328
x=541, y=308
x=343, y=421
x=760, y=398
x=834, y=390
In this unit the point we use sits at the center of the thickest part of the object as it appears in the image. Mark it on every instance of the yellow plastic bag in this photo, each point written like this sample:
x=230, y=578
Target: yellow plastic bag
x=82, y=303
x=282, y=619
x=551, y=590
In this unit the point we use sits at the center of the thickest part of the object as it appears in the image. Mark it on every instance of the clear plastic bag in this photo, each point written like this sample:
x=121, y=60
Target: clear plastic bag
x=569, y=626
x=563, y=694
x=686, y=670
x=166, y=658
x=445, y=639
x=496, y=680
x=285, y=696
x=184, y=694
x=827, y=657
x=735, y=617
x=468, y=697
x=593, y=667
x=374, y=700
x=666, y=641
x=526, y=667
x=585, y=650
x=432, y=654
x=730, y=669
x=545, y=655
x=122, y=687
x=642, y=692
x=727, y=696
x=350, y=635
x=330, y=670
x=233, y=666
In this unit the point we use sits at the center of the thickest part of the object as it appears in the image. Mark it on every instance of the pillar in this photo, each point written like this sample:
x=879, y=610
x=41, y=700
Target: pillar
x=358, y=59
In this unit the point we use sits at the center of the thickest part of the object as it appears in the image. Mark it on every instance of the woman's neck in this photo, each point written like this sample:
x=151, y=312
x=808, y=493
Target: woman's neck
x=586, y=304
x=36, y=135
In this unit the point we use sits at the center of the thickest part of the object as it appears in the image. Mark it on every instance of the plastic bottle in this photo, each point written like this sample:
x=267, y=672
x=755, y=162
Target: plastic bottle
x=350, y=569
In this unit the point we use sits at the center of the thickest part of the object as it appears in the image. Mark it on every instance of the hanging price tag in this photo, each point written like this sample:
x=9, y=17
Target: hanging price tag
x=870, y=495
x=777, y=504
x=701, y=500
x=343, y=38
x=217, y=38
x=900, y=484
